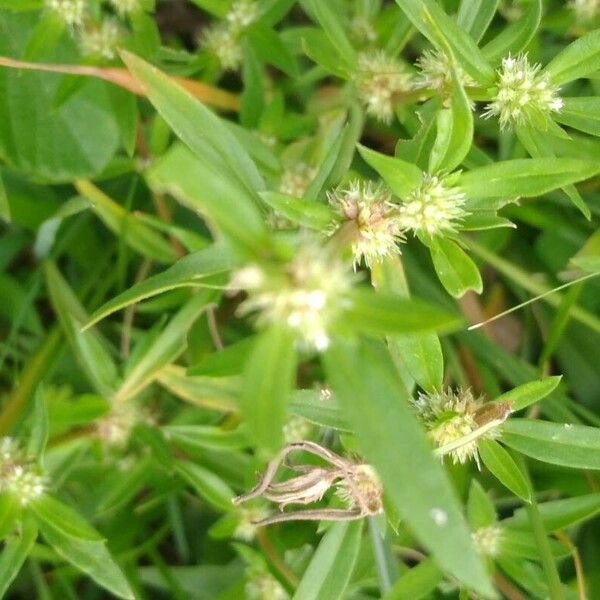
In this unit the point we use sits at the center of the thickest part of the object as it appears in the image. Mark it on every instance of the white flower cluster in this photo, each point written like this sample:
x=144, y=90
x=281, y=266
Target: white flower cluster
x=70, y=12
x=18, y=475
x=433, y=208
x=378, y=223
x=585, y=10
x=523, y=95
x=487, y=540
x=115, y=427
x=263, y=586
x=223, y=39
x=381, y=80
x=436, y=73
x=307, y=297
x=101, y=40
x=451, y=416
x=296, y=178
x=362, y=30
x=296, y=429
x=125, y=7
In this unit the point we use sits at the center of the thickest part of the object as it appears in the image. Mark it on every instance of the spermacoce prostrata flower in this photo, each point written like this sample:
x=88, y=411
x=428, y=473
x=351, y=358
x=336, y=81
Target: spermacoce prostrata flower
x=101, y=40
x=70, y=12
x=487, y=540
x=307, y=295
x=523, y=94
x=436, y=73
x=380, y=81
x=378, y=225
x=126, y=7
x=434, y=208
x=19, y=475
x=457, y=421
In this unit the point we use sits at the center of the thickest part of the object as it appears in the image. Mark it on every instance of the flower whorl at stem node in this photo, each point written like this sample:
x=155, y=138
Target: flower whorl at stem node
x=523, y=94
x=307, y=296
x=380, y=81
x=70, y=12
x=436, y=73
x=487, y=540
x=101, y=40
x=19, y=476
x=433, y=208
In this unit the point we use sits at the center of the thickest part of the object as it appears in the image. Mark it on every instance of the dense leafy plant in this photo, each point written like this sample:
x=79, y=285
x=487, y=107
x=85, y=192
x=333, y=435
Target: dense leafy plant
x=243, y=242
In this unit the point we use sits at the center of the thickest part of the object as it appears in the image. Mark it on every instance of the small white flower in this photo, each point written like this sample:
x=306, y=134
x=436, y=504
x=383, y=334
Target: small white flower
x=241, y=14
x=115, y=427
x=523, y=95
x=101, y=41
x=585, y=10
x=378, y=226
x=380, y=81
x=70, y=12
x=296, y=178
x=487, y=540
x=307, y=297
x=296, y=429
x=433, y=208
x=24, y=483
x=126, y=7
x=436, y=73
x=225, y=45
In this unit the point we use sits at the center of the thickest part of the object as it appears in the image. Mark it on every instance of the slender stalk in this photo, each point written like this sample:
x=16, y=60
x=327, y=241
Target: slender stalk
x=382, y=562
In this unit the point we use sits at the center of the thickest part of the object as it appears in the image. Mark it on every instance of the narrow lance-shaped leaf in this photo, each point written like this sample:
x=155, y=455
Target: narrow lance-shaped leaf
x=268, y=381
x=207, y=484
x=363, y=378
x=579, y=59
x=564, y=444
x=581, y=113
x=419, y=582
x=474, y=16
x=524, y=177
x=329, y=21
x=15, y=553
x=528, y=393
x=329, y=570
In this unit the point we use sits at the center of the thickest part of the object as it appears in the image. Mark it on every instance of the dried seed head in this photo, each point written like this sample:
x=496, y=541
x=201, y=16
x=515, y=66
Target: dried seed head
x=307, y=297
x=70, y=12
x=523, y=95
x=223, y=43
x=360, y=488
x=487, y=540
x=453, y=416
x=380, y=81
x=101, y=40
x=434, y=208
x=436, y=73
x=378, y=227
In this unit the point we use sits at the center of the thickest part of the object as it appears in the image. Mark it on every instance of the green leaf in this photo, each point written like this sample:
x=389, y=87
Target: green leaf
x=529, y=393
x=193, y=270
x=378, y=314
x=269, y=48
x=221, y=199
x=330, y=22
x=419, y=582
x=14, y=553
x=456, y=270
x=64, y=519
x=330, y=568
x=208, y=485
x=515, y=37
x=401, y=177
x=196, y=125
x=501, y=464
x=88, y=347
x=306, y=213
x=167, y=346
x=588, y=257
x=582, y=113
x=474, y=16
x=524, y=177
x=480, y=508
x=91, y=557
x=564, y=444
x=268, y=381
x=205, y=436
x=364, y=379
x=579, y=59
x=319, y=49
x=314, y=408
x=560, y=514
x=430, y=19
x=10, y=511
x=228, y=361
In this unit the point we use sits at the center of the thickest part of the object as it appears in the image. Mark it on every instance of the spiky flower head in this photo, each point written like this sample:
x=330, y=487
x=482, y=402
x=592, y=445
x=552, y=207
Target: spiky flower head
x=307, y=295
x=524, y=96
x=223, y=43
x=296, y=178
x=241, y=15
x=434, y=208
x=487, y=540
x=380, y=80
x=455, y=416
x=361, y=489
x=436, y=73
x=378, y=226
x=585, y=10
x=126, y=7
x=101, y=40
x=70, y=12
